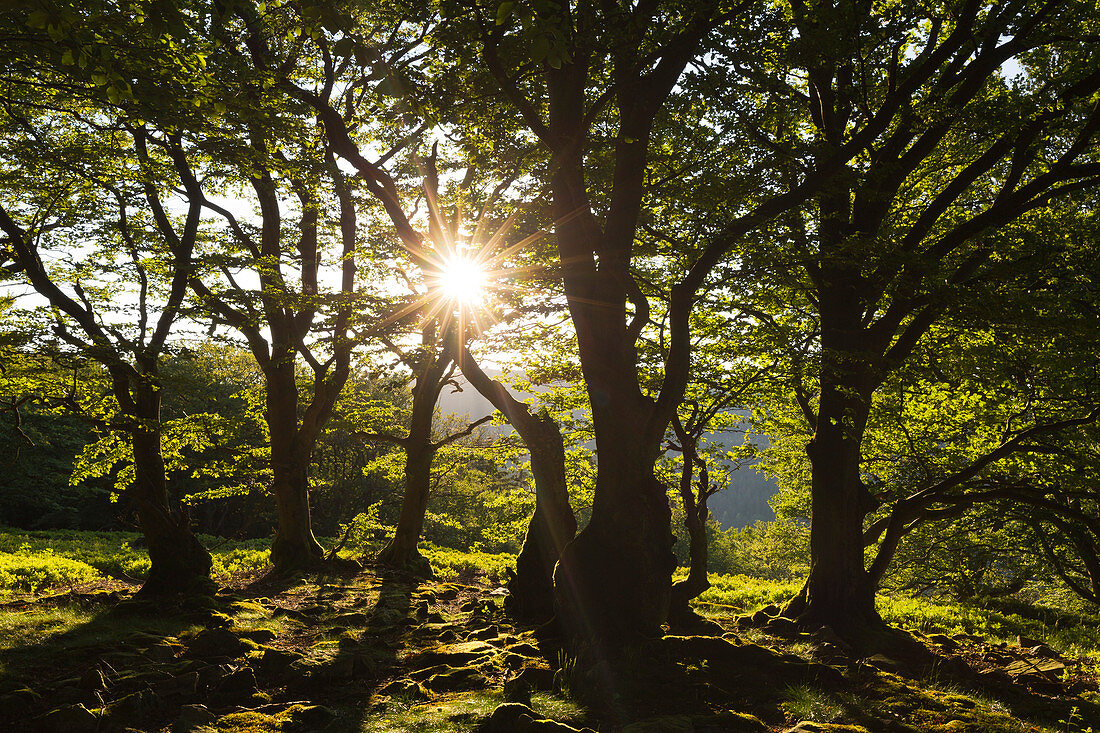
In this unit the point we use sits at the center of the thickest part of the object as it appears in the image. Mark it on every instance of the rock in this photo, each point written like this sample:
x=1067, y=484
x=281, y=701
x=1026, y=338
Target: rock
x=883, y=662
x=192, y=717
x=807, y=726
x=275, y=662
x=455, y=655
x=513, y=717
x=70, y=719
x=749, y=662
x=216, y=643
x=456, y=678
x=243, y=680
x=1040, y=683
x=183, y=685
x=1024, y=642
x=827, y=635
x=996, y=677
x=1036, y=665
x=291, y=613
x=489, y=632
x=1042, y=650
x=408, y=689
x=729, y=722
x=138, y=705
x=311, y=717
x=260, y=636
x=945, y=642
x=530, y=679
x=955, y=667
x=355, y=618
x=525, y=648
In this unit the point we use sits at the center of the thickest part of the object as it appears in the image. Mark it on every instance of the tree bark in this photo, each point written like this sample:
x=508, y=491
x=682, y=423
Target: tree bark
x=294, y=546
x=839, y=591
x=553, y=525
x=401, y=551
x=178, y=561
x=695, y=521
x=613, y=581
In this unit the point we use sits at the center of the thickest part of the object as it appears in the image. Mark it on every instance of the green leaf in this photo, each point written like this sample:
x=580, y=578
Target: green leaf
x=504, y=11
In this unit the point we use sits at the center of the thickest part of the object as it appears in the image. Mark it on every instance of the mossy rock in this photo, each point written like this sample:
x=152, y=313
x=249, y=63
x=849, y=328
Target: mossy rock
x=518, y=718
x=407, y=690
x=192, y=717
x=456, y=678
x=260, y=636
x=71, y=719
x=355, y=618
x=807, y=726
x=135, y=706
x=249, y=607
x=455, y=655
x=218, y=642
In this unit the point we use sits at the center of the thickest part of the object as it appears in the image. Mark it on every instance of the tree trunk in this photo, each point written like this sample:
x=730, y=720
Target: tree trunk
x=839, y=591
x=695, y=520
x=178, y=561
x=401, y=551
x=613, y=581
x=553, y=525
x=294, y=546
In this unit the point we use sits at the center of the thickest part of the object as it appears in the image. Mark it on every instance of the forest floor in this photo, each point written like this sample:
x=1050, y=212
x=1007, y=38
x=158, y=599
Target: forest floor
x=367, y=653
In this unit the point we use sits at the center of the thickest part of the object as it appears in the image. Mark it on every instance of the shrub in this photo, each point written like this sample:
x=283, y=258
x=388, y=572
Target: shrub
x=31, y=571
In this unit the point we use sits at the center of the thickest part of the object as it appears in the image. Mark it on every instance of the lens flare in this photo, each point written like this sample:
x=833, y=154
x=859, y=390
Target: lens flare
x=463, y=281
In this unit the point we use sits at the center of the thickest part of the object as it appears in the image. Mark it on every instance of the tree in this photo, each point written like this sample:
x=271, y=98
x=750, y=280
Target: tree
x=553, y=525
x=73, y=184
x=942, y=155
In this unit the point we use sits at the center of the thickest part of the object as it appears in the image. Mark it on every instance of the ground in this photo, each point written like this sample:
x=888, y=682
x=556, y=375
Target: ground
x=359, y=651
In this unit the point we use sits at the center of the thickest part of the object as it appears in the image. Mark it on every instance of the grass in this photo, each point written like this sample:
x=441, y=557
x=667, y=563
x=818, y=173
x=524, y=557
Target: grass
x=31, y=561
x=1074, y=634
x=55, y=640
x=456, y=713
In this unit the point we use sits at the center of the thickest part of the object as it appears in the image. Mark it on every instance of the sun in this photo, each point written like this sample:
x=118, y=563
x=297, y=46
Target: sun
x=463, y=281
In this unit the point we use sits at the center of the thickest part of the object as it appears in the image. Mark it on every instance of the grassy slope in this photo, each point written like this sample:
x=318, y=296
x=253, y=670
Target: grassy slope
x=386, y=654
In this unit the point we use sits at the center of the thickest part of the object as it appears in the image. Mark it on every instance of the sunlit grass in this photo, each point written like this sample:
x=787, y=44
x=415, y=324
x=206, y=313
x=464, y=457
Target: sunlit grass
x=32, y=562
x=445, y=714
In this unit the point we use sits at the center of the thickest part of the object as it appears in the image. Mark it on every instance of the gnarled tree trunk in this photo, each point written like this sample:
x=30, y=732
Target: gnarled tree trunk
x=178, y=561
x=401, y=551
x=695, y=521
x=553, y=525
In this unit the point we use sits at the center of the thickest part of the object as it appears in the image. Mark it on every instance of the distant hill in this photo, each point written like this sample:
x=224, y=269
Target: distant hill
x=743, y=503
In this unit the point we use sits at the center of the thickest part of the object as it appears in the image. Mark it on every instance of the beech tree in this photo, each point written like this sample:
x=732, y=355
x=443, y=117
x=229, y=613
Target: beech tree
x=71, y=184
